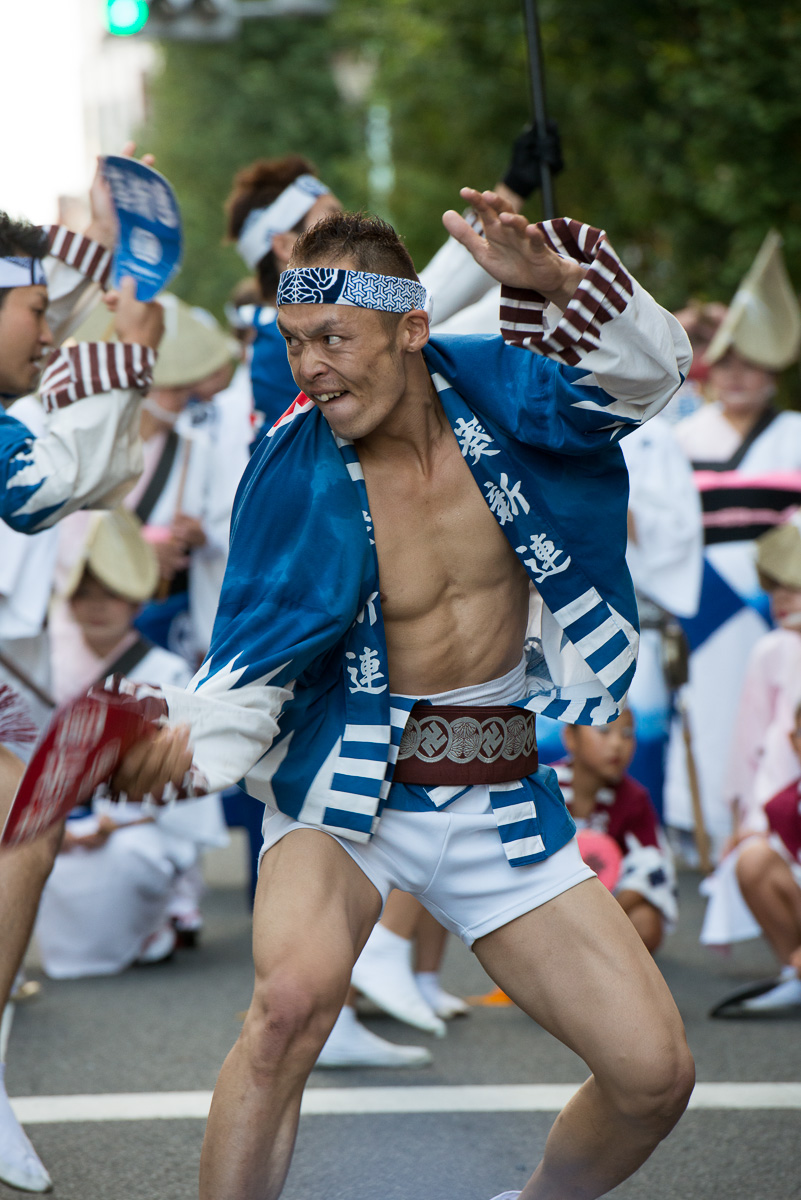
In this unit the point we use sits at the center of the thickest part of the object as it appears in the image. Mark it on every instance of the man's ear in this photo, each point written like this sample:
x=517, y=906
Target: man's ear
x=415, y=330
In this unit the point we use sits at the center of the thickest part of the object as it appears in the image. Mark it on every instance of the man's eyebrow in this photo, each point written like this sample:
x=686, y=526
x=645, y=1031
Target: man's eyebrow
x=327, y=325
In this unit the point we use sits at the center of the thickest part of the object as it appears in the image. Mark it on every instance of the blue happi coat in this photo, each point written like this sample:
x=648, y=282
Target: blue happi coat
x=88, y=452
x=299, y=626
x=21, y=479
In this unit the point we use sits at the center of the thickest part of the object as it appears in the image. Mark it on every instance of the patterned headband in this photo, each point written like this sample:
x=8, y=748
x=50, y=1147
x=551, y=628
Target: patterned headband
x=282, y=215
x=21, y=272
x=360, y=289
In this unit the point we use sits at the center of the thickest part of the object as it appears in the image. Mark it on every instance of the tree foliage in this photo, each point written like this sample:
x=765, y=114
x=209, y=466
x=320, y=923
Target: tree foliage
x=679, y=122
x=213, y=108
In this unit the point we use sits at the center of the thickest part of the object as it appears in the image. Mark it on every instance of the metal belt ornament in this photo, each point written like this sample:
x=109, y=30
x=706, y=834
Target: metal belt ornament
x=448, y=744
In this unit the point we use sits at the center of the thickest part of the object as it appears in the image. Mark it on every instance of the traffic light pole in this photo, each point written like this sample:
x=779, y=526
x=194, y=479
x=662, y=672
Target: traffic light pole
x=283, y=8
x=200, y=20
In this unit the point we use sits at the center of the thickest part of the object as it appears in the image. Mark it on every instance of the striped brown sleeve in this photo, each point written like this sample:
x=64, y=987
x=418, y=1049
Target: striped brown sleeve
x=92, y=368
x=603, y=294
x=88, y=257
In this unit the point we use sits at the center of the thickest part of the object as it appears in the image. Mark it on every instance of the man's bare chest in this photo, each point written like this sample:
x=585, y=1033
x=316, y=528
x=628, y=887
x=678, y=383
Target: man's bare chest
x=435, y=533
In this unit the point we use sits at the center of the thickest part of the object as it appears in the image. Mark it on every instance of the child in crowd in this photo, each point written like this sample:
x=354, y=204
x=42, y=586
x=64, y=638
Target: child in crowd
x=627, y=842
x=762, y=761
x=769, y=875
x=126, y=884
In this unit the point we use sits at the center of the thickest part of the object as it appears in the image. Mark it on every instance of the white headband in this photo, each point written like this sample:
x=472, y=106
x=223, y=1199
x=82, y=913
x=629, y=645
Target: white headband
x=21, y=272
x=282, y=215
x=240, y=316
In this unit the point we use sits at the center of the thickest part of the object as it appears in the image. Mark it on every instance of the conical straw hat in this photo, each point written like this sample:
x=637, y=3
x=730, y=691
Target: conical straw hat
x=118, y=556
x=763, y=323
x=778, y=555
x=193, y=347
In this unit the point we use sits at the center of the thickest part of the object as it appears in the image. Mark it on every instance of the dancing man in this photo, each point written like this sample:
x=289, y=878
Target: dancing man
x=367, y=676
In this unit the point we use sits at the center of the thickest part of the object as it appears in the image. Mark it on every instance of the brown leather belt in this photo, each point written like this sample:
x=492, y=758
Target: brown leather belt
x=450, y=745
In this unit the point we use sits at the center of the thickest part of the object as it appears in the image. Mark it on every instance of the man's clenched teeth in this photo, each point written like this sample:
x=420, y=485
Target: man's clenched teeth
x=324, y=397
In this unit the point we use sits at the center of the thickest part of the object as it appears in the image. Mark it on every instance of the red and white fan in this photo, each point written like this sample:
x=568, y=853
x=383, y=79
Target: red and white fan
x=81, y=748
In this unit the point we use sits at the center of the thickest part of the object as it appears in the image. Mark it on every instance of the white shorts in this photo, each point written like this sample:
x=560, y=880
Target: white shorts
x=452, y=860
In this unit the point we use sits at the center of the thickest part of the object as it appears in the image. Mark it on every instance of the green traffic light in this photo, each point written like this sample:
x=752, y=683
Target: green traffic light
x=124, y=17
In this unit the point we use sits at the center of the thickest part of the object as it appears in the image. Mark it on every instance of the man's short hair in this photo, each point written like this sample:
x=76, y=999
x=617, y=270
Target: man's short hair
x=19, y=239
x=369, y=243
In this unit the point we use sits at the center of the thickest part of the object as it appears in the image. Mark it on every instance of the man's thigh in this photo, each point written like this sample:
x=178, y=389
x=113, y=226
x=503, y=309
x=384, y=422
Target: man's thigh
x=579, y=968
x=313, y=911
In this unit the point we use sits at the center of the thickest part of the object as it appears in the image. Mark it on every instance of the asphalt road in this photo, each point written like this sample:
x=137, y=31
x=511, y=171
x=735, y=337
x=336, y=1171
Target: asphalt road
x=167, y=1029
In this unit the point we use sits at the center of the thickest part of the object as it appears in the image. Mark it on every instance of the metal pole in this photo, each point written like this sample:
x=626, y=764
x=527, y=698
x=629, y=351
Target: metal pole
x=282, y=8
x=538, y=101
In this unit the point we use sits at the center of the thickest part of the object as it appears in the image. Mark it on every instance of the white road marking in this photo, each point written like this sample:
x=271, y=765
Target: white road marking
x=366, y=1101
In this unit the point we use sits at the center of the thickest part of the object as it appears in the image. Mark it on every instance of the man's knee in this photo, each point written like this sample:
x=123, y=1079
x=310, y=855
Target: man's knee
x=756, y=863
x=656, y=1084
x=288, y=1022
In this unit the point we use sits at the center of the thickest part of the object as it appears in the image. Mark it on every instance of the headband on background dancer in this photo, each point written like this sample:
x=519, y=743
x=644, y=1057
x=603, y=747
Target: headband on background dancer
x=262, y=224
x=358, y=289
x=21, y=272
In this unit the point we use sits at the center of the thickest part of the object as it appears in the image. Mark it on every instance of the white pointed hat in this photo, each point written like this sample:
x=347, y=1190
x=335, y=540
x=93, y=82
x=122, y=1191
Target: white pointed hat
x=763, y=323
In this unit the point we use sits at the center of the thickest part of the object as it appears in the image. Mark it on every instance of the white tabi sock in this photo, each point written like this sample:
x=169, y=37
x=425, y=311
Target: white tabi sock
x=786, y=993
x=443, y=1003
x=19, y=1163
x=350, y=1044
x=383, y=973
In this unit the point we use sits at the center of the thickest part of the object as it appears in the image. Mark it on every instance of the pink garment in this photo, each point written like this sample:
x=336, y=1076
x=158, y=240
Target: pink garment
x=762, y=761
x=74, y=665
x=74, y=529
x=152, y=451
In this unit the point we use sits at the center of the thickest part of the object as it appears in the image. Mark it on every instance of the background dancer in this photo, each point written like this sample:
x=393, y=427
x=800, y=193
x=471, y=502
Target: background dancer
x=125, y=884
x=763, y=759
x=434, y=459
x=87, y=452
x=746, y=455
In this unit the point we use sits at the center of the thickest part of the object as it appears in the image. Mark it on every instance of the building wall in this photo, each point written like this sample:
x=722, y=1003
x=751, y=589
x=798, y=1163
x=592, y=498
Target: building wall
x=67, y=93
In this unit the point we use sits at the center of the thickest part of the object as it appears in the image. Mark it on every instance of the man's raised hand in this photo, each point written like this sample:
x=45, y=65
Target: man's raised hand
x=136, y=321
x=104, y=227
x=513, y=250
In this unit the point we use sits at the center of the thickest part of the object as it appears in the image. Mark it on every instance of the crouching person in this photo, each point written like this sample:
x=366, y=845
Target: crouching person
x=125, y=885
